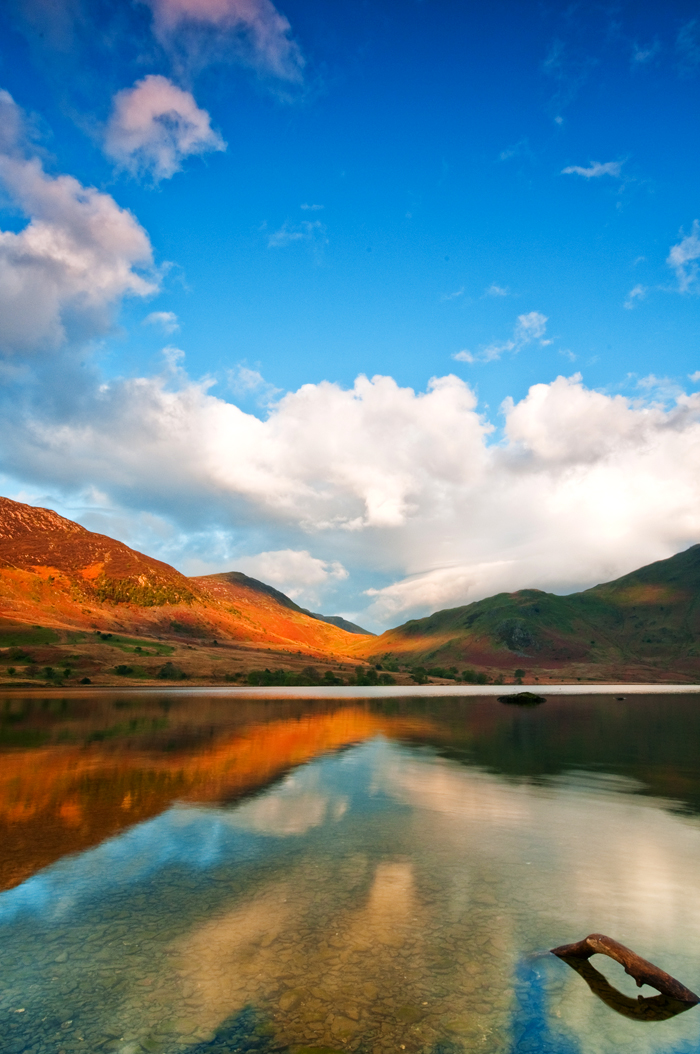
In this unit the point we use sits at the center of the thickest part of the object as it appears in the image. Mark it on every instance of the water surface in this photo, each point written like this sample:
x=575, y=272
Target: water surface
x=204, y=873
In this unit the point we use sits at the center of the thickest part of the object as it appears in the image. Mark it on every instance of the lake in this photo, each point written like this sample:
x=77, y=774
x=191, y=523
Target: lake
x=219, y=871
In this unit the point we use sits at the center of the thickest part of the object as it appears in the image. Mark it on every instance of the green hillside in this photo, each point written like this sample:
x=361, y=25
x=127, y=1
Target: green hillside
x=649, y=617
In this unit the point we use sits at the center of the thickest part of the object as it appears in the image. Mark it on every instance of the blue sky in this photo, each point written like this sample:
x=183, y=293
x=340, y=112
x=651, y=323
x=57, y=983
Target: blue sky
x=502, y=194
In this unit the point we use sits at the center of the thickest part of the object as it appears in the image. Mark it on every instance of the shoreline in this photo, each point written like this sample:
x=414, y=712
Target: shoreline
x=395, y=691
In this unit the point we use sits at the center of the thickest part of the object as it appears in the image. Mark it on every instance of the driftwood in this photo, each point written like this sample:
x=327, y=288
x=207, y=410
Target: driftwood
x=642, y=971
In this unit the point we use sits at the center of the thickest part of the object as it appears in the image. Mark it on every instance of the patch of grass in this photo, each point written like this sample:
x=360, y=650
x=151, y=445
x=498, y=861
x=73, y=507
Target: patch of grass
x=135, y=646
x=11, y=637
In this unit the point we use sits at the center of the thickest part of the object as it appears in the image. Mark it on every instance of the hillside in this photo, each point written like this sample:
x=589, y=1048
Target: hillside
x=56, y=574
x=648, y=620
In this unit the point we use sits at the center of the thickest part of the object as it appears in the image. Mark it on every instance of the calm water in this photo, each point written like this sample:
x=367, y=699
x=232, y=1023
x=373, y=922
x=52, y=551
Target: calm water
x=200, y=873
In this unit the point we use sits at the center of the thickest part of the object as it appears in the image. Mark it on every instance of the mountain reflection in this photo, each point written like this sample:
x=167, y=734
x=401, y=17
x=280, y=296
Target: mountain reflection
x=380, y=897
x=110, y=761
x=61, y=799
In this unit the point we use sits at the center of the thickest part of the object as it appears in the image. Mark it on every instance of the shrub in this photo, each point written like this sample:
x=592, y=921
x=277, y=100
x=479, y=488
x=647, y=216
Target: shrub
x=170, y=672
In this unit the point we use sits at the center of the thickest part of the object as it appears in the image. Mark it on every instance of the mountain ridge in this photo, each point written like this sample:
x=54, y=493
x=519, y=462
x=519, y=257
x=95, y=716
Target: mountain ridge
x=56, y=573
x=649, y=616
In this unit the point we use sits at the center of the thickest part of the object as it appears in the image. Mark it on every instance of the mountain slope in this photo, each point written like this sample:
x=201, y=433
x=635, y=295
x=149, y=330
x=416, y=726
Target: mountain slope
x=53, y=572
x=649, y=617
x=237, y=577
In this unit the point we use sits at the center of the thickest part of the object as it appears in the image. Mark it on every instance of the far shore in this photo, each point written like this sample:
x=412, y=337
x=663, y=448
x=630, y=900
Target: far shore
x=357, y=692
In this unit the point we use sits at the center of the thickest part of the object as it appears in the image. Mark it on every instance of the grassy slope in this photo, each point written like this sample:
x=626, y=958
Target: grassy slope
x=55, y=573
x=650, y=618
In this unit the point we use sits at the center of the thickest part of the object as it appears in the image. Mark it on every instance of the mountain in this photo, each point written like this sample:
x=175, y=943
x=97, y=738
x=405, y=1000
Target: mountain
x=341, y=623
x=55, y=573
x=649, y=619
x=238, y=578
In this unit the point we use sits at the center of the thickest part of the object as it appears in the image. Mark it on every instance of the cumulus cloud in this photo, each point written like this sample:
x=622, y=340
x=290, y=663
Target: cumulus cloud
x=80, y=253
x=529, y=328
x=682, y=259
x=154, y=126
x=295, y=572
x=252, y=31
x=595, y=170
x=165, y=320
x=583, y=486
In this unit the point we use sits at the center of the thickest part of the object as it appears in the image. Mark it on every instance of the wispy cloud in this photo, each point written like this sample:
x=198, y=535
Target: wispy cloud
x=529, y=328
x=682, y=259
x=245, y=382
x=166, y=320
x=595, y=170
x=688, y=48
x=252, y=31
x=311, y=208
x=306, y=231
x=635, y=296
x=516, y=150
x=453, y=296
x=154, y=126
x=642, y=55
x=497, y=290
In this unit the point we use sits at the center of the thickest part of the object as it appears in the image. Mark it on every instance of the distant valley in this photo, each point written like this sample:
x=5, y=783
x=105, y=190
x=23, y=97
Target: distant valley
x=79, y=607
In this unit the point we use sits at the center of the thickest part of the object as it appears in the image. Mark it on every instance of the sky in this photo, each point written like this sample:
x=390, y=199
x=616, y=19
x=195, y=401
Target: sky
x=392, y=304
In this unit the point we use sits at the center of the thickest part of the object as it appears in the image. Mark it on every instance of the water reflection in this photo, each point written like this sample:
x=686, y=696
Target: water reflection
x=643, y=1008
x=386, y=894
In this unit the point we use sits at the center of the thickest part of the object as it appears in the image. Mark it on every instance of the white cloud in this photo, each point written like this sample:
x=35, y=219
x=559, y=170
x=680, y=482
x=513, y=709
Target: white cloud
x=154, y=126
x=295, y=572
x=497, y=290
x=79, y=255
x=306, y=231
x=529, y=327
x=634, y=296
x=595, y=170
x=252, y=31
x=694, y=377
x=682, y=258
x=583, y=487
x=312, y=208
x=166, y=320
x=453, y=296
